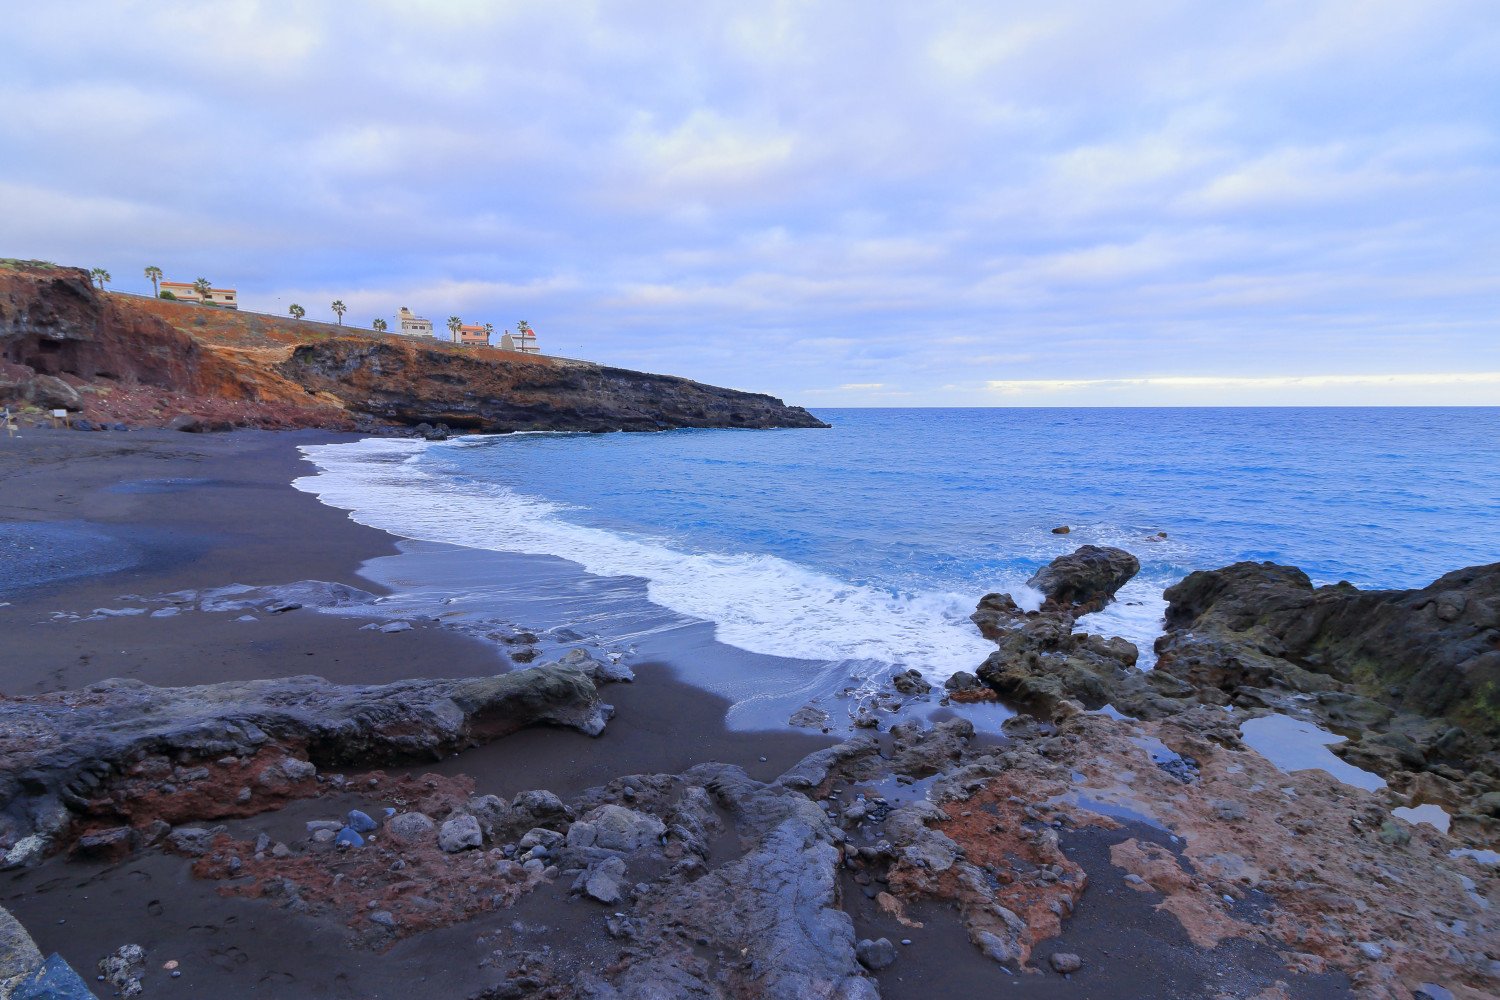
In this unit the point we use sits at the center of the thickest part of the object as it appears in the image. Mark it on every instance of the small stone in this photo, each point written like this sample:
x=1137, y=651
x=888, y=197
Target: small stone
x=394, y=627
x=384, y=918
x=350, y=836
x=359, y=822
x=1371, y=950
x=1065, y=962
x=410, y=828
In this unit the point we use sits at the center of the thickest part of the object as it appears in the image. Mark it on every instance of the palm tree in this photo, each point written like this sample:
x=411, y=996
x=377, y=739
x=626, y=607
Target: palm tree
x=153, y=273
x=338, y=310
x=489, y=332
x=523, y=327
x=453, y=324
x=203, y=288
x=297, y=311
x=101, y=277
x=378, y=324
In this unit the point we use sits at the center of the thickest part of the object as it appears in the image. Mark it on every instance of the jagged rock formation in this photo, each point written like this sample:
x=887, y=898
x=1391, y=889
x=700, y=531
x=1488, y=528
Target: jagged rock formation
x=1084, y=580
x=120, y=755
x=1433, y=652
x=149, y=362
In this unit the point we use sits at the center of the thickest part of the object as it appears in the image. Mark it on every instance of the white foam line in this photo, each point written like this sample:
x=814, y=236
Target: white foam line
x=757, y=602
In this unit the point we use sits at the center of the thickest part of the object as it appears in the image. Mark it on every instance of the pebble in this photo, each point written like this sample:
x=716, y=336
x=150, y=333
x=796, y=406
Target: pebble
x=1065, y=962
x=906, y=941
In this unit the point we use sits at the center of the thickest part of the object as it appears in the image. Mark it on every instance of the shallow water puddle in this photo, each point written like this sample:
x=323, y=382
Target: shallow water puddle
x=1294, y=745
x=1430, y=813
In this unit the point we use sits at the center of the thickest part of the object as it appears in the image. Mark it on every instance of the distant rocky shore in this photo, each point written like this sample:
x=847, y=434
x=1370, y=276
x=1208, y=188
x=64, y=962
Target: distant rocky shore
x=117, y=361
x=708, y=883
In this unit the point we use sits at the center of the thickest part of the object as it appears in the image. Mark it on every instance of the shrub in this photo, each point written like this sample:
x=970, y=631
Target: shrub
x=168, y=295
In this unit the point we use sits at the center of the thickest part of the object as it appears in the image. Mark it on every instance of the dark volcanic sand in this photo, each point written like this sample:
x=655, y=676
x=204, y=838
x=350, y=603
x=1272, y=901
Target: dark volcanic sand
x=86, y=518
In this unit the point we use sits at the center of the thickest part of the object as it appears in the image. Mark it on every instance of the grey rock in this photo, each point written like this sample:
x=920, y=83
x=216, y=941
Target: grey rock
x=460, y=833
x=1065, y=962
x=616, y=828
x=192, y=840
x=18, y=953
x=604, y=882
x=875, y=955
x=410, y=828
x=123, y=969
x=392, y=627
x=808, y=717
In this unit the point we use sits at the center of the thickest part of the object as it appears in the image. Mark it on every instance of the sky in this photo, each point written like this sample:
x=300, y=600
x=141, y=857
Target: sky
x=1070, y=203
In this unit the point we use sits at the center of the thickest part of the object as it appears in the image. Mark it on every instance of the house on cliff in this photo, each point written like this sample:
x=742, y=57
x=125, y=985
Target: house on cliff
x=185, y=291
x=524, y=340
x=472, y=336
x=413, y=325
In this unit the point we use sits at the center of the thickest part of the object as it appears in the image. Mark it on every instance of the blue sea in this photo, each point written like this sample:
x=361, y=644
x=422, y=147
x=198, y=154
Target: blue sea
x=865, y=547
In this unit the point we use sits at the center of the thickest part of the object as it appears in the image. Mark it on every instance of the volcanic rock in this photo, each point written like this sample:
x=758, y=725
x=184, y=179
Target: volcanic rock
x=1085, y=580
x=92, y=752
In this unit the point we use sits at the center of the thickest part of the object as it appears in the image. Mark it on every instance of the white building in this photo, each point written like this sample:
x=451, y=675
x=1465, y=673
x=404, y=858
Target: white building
x=413, y=325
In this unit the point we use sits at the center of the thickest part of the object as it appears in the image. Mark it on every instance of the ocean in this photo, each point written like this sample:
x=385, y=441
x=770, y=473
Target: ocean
x=843, y=554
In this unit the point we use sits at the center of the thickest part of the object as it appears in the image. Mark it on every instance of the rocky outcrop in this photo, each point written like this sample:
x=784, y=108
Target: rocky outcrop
x=149, y=362
x=121, y=755
x=1411, y=677
x=65, y=345
x=1084, y=580
x=407, y=382
x=1042, y=661
x=1433, y=652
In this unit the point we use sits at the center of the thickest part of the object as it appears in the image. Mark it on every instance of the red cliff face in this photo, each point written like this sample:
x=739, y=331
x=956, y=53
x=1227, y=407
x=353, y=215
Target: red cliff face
x=116, y=357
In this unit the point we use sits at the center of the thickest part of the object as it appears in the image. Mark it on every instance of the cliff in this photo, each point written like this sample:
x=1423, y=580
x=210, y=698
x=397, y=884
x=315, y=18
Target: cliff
x=149, y=362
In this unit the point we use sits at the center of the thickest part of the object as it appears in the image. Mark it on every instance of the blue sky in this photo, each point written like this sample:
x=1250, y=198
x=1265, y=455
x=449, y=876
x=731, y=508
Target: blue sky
x=1069, y=203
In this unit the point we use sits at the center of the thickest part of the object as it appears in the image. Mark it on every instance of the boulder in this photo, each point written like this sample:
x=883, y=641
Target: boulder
x=52, y=393
x=616, y=828
x=411, y=828
x=875, y=955
x=460, y=833
x=1084, y=580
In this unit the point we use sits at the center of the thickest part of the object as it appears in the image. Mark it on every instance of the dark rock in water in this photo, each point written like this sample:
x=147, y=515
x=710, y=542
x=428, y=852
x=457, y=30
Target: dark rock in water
x=1062, y=530
x=54, y=979
x=875, y=955
x=961, y=680
x=808, y=717
x=910, y=682
x=1086, y=579
x=69, y=750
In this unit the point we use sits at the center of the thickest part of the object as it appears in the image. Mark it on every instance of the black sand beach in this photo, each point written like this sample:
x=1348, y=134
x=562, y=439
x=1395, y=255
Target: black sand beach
x=102, y=521
x=168, y=511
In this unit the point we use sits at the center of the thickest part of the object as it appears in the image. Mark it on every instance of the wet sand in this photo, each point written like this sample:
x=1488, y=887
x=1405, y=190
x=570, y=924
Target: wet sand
x=155, y=512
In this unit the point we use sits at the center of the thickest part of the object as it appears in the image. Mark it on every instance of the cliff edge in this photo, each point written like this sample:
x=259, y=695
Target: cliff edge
x=117, y=358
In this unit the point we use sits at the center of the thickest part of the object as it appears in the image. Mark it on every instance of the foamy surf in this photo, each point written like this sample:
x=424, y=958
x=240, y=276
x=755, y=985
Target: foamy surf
x=756, y=602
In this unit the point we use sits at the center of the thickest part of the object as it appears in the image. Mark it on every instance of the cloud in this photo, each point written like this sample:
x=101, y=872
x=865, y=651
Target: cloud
x=801, y=196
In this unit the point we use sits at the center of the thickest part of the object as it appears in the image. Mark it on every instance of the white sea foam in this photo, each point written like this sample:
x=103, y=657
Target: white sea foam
x=756, y=602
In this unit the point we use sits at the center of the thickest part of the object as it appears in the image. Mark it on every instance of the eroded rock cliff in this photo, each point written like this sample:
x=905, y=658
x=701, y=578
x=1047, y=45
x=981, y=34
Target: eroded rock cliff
x=110, y=357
